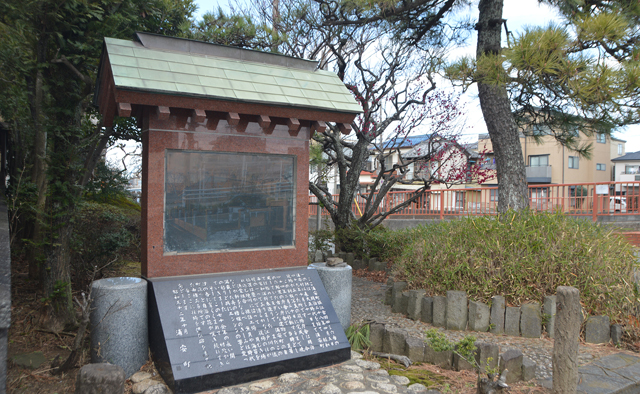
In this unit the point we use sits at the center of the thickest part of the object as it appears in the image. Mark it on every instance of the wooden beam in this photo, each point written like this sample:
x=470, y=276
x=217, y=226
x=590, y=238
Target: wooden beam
x=233, y=118
x=163, y=112
x=294, y=126
x=318, y=126
x=345, y=128
x=198, y=115
x=124, y=110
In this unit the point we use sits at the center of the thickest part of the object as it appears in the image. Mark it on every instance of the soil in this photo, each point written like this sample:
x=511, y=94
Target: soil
x=26, y=336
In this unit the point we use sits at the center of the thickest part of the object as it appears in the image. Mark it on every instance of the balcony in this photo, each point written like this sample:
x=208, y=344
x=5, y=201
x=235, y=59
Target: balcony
x=538, y=174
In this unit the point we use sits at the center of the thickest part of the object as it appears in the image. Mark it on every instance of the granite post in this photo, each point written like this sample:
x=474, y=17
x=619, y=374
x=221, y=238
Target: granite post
x=565, y=345
x=439, y=311
x=549, y=313
x=530, y=320
x=456, y=310
x=119, y=332
x=497, y=315
x=337, y=282
x=414, y=307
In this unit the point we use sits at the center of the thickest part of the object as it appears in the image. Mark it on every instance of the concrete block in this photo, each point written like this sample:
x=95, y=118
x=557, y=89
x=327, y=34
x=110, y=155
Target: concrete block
x=415, y=349
x=350, y=259
x=426, y=311
x=597, y=330
x=100, y=378
x=388, y=296
x=414, y=306
x=497, y=315
x=530, y=320
x=479, y=314
x=337, y=282
x=528, y=369
x=512, y=360
x=616, y=334
x=549, y=314
x=394, y=341
x=442, y=359
x=460, y=364
x=512, y=321
x=396, y=294
x=487, y=354
x=456, y=310
x=439, y=311
x=376, y=335
x=372, y=262
x=357, y=264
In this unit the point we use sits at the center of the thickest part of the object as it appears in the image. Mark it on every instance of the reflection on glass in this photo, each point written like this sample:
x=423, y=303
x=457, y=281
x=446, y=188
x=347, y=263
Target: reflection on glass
x=216, y=201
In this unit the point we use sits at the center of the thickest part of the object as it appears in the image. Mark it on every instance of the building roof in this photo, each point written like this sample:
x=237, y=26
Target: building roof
x=168, y=65
x=633, y=156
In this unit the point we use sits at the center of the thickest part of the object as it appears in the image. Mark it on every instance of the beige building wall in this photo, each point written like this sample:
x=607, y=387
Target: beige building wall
x=562, y=162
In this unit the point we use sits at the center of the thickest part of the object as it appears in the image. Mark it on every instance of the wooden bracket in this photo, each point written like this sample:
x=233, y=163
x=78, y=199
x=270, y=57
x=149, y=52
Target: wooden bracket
x=163, y=112
x=198, y=115
x=345, y=128
x=124, y=110
x=318, y=126
x=266, y=124
x=294, y=126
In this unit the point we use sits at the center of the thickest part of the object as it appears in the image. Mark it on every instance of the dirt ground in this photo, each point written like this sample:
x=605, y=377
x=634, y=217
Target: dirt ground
x=26, y=336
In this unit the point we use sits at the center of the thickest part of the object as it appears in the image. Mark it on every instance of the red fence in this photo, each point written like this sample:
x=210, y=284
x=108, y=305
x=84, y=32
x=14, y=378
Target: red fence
x=586, y=199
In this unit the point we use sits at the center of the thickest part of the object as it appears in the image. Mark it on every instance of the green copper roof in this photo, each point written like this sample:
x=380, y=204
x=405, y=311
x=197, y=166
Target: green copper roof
x=184, y=67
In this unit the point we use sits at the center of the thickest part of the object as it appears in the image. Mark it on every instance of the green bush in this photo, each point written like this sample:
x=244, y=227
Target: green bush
x=376, y=242
x=522, y=257
x=104, y=233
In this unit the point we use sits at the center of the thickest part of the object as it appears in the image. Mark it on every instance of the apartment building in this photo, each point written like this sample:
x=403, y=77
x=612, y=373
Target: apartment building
x=549, y=162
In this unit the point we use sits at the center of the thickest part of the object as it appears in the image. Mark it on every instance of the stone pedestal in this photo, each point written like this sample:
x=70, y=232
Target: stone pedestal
x=119, y=331
x=337, y=283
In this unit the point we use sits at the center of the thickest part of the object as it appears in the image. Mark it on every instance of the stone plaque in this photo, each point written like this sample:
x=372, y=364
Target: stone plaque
x=209, y=331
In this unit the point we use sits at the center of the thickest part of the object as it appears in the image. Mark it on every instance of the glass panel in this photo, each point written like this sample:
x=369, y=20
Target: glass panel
x=216, y=201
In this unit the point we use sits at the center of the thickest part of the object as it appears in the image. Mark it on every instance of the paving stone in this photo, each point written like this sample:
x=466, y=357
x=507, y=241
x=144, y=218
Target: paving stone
x=497, y=315
x=528, y=369
x=487, y=354
x=512, y=360
x=456, y=310
x=426, y=311
x=442, y=359
x=381, y=372
x=263, y=385
x=353, y=376
x=402, y=380
x=157, y=389
x=310, y=385
x=140, y=376
x=417, y=388
x=414, y=306
x=241, y=390
x=289, y=378
x=102, y=378
x=376, y=335
x=597, y=330
x=386, y=387
x=479, y=314
x=141, y=387
x=351, y=368
x=377, y=378
x=355, y=354
x=415, y=349
x=549, y=314
x=512, y=321
x=353, y=385
x=394, y=341
x=616, y=334
x=31, y=360
x=367, y=364
x=330, y=389
x=530, y=320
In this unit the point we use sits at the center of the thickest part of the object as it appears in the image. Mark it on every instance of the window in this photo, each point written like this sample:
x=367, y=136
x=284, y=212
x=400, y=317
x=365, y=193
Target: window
x=601, y=167
x=573, y=161
x=601, y=138
x=631, y=169
x=216, y=201
x=539, y=161
x=619, y=149
x=493, y=195
x=541, y=129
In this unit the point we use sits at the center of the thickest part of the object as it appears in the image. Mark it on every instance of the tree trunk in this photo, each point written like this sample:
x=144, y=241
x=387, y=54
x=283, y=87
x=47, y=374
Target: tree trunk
x=494, y=101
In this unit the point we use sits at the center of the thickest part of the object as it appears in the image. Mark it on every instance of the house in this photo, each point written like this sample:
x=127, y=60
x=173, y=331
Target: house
x=627, y=169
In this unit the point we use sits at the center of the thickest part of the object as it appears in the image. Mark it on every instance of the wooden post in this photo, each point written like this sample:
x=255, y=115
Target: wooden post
x=566, y=338
x=441, y=204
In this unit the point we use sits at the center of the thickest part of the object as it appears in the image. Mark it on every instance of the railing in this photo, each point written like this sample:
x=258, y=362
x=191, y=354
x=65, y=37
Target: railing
x=585, y=199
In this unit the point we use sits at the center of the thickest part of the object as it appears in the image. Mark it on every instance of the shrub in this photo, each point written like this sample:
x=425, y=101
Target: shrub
x=523, y=257
x=376, y=242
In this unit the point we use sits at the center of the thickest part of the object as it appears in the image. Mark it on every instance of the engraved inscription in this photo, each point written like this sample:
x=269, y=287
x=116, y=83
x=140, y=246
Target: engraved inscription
x=225, y=322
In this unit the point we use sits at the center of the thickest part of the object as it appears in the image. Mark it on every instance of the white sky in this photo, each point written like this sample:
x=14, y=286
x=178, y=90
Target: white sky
x=519, y=13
